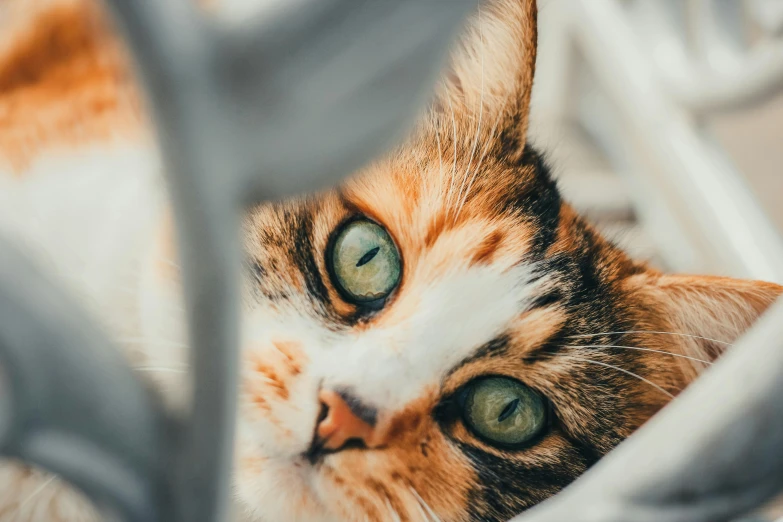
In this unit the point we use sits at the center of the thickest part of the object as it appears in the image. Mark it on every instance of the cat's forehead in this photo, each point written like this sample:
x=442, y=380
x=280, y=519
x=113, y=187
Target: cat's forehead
x=443, y=223
x=476, y=209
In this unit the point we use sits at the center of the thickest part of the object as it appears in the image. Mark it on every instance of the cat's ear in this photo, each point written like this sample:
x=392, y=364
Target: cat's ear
x=712, y=312
x=486, y=88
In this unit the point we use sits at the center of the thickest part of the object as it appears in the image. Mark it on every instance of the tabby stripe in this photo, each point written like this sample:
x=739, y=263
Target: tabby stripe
x=303, y=253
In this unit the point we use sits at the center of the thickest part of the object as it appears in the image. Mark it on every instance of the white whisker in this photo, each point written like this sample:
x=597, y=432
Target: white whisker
x=607, y=346
x=37, y=491
x=395, y=516
x=440, y=156
x=420, y=509
x=460, y=197
x=617, y=368
x=433, y=516
x=650, y=332
x=454, y=165
x=480, y=162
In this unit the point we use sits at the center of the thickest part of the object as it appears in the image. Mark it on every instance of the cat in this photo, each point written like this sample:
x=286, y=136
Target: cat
x=441, y=337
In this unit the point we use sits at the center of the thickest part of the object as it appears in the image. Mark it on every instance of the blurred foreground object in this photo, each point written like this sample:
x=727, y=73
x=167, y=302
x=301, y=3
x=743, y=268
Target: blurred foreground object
x=647, y=79
x=244, y=114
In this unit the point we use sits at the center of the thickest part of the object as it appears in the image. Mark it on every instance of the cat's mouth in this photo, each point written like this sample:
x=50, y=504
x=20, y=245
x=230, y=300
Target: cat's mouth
x=316, y=453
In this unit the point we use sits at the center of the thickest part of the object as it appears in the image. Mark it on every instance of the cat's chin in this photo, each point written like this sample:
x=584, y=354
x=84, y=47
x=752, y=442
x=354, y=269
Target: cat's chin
x=281, y=490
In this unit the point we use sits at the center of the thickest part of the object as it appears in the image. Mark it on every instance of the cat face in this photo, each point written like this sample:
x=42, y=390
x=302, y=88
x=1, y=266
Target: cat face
x=406, y=356
x=442, y=337
x=482, y=306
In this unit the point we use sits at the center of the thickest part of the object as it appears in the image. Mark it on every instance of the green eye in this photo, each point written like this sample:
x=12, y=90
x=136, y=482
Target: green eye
x=504, y=411
x=365, y=262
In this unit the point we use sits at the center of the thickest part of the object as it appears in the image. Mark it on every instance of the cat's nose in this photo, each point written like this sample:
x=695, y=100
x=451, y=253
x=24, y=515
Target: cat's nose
x=344, y=422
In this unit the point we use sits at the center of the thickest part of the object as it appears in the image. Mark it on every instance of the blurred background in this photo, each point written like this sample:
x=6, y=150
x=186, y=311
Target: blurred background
x=662, y=119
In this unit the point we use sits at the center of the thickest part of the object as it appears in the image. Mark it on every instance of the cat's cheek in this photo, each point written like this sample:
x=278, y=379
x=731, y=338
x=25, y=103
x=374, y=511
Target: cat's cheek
x=269, y=489
x=350, y=492
x=278, y=405
x=419, y=472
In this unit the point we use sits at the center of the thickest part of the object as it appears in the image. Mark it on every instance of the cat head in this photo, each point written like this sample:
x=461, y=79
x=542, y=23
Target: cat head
x=442, y=337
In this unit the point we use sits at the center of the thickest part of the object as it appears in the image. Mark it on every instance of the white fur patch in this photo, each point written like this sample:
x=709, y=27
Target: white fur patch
x=390, y=367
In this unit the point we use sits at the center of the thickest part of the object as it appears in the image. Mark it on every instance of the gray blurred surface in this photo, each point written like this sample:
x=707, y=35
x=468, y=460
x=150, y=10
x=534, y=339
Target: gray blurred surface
x=598, y=100
x=754, y=140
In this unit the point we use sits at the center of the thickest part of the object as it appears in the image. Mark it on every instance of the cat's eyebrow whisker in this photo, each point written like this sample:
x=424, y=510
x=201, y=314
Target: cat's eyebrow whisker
x=423, y=504
x=617, y=368
x=637, y=348
x=454, y=165
x=460, y=198
x=653, y=332
x=440, y=156
x=477, y=169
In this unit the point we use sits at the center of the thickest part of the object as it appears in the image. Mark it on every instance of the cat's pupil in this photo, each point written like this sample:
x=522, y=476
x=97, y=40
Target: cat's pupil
x=508, y=410
x=364, y=262
x=366, y=258
x=503, y=411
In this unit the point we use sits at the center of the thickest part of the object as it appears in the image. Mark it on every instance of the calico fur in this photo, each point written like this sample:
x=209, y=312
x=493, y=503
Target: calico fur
x=500, y=277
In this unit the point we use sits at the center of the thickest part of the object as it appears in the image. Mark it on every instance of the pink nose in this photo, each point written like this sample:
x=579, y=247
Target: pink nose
x=342, y=424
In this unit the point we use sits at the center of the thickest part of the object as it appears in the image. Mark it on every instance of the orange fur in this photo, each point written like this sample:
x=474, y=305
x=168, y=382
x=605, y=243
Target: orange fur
x=64, y=82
